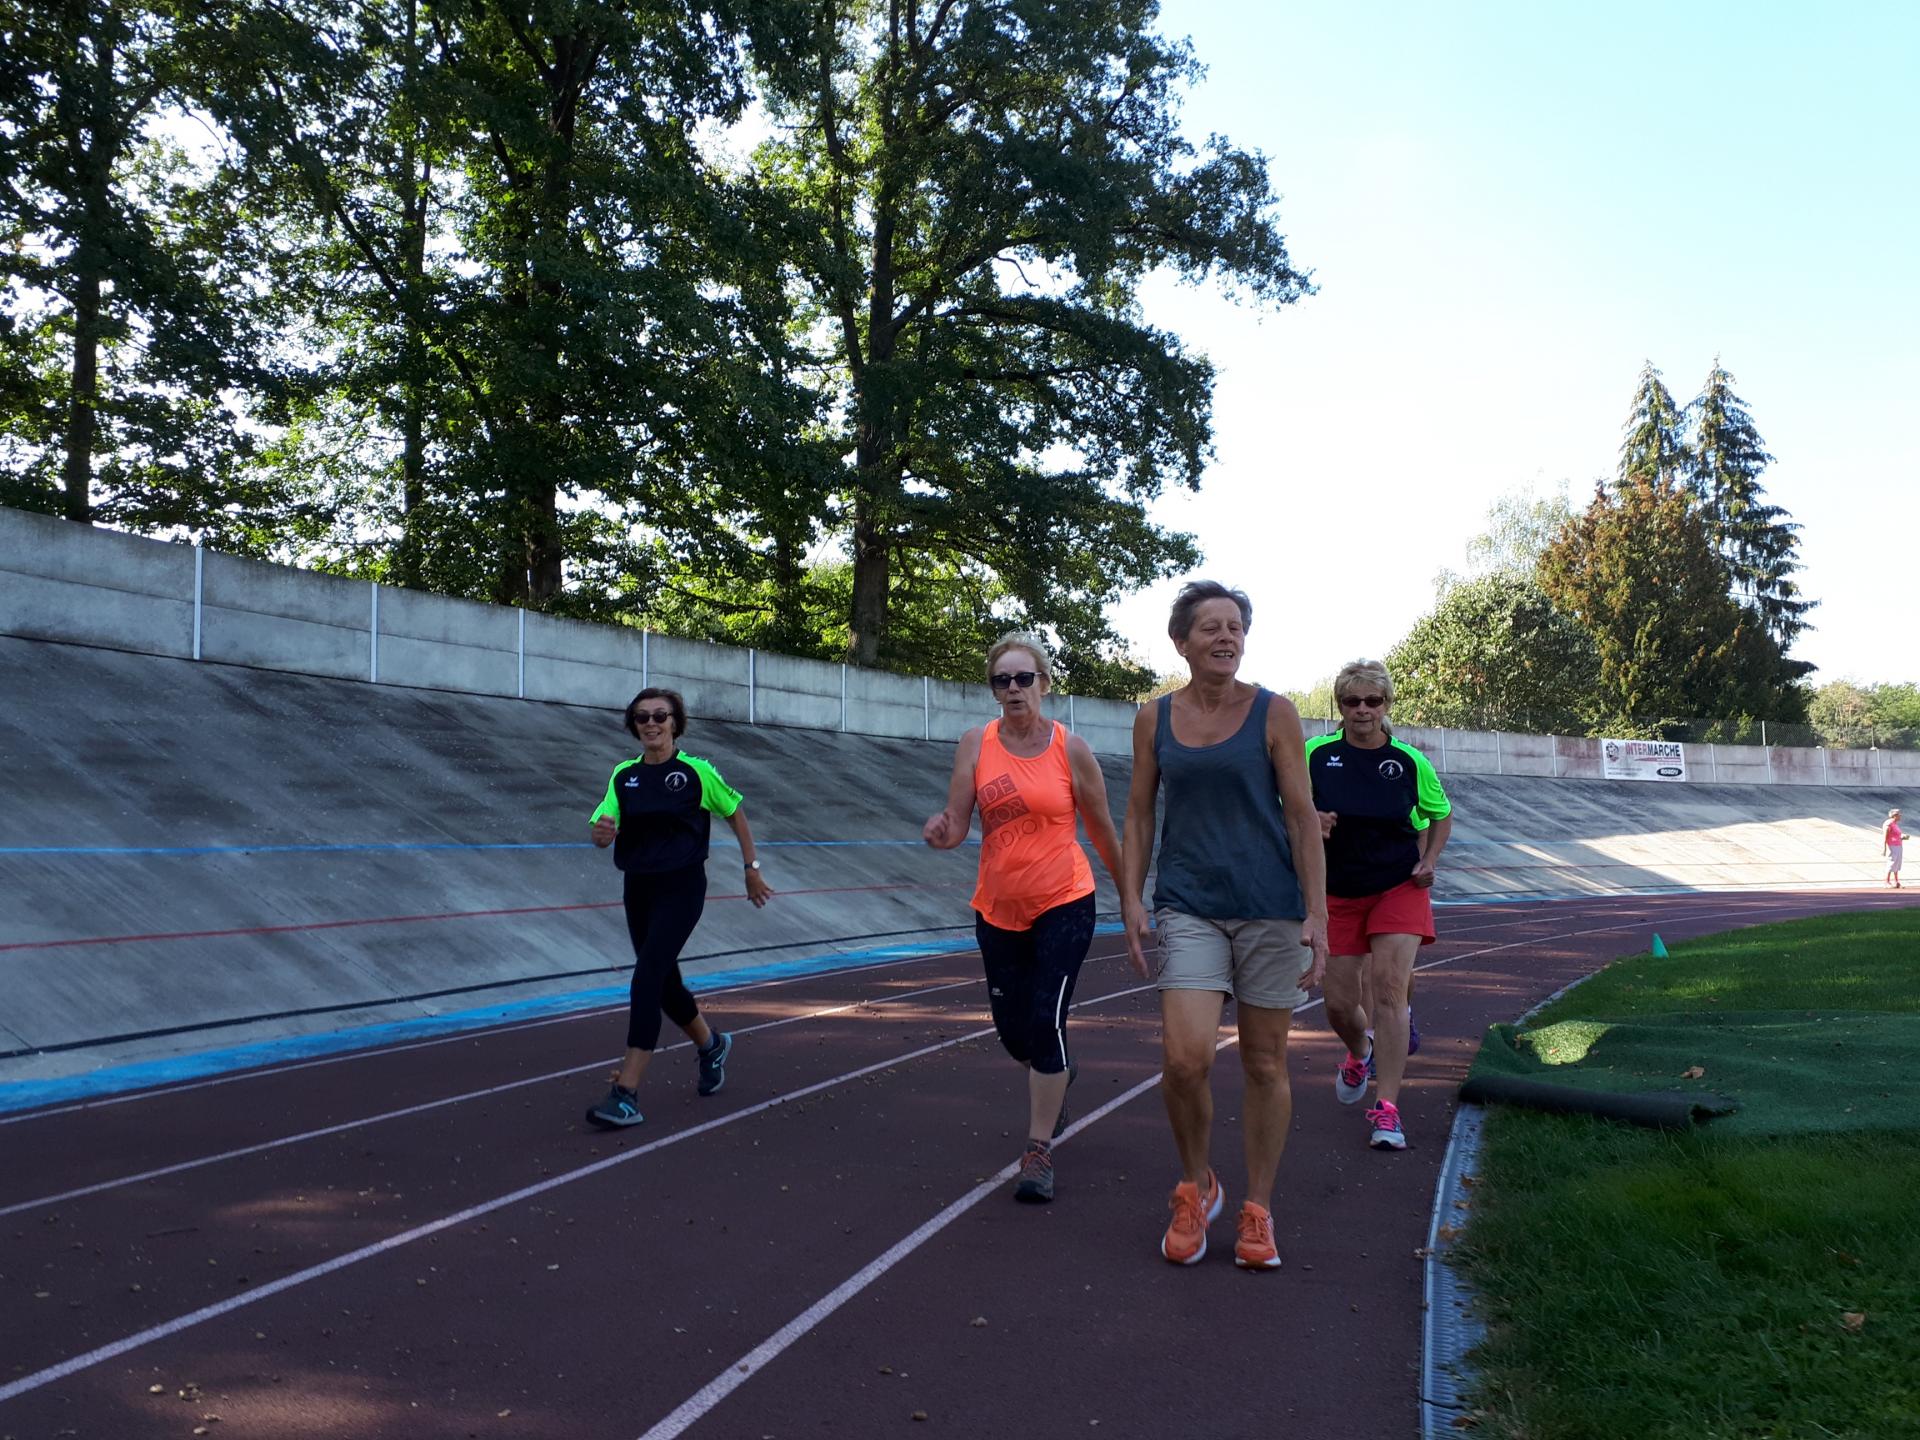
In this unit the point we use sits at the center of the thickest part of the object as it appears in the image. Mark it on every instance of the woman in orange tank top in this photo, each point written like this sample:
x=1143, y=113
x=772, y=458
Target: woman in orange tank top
x=1033, y=905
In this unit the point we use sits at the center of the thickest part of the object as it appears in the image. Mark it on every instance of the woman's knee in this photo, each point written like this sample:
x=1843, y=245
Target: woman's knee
x=1185, y=1068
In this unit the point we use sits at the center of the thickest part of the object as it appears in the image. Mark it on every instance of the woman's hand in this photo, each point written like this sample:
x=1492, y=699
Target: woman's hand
x=939, y=832
x=603, y=832
x=1139, y=927
x=1423, y=874
x=758, y=891
x=1328, y=819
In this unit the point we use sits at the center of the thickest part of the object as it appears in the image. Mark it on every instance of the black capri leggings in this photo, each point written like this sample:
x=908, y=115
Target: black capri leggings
x=1030, y=977
x=661, y=913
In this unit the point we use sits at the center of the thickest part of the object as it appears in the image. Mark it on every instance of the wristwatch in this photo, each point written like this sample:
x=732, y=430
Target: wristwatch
x=753, y=864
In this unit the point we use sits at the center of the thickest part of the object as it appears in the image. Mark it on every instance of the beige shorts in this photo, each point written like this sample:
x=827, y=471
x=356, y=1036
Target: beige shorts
x=1258, y=962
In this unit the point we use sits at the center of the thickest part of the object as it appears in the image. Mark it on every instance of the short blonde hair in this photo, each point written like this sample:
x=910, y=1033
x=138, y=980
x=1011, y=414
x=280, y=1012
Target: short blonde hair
x=1356, y=673
x=1022, y=640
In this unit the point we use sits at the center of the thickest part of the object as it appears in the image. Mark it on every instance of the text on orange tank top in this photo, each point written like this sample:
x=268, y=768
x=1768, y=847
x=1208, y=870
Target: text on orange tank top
x=1030, y=855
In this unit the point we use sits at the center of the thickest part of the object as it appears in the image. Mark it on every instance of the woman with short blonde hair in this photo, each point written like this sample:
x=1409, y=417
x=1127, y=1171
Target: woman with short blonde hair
x=1384, y=819
x=1032, y=782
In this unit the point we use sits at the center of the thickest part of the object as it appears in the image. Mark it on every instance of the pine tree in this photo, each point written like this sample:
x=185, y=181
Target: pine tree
x=1655, y=450
x=1754, y=539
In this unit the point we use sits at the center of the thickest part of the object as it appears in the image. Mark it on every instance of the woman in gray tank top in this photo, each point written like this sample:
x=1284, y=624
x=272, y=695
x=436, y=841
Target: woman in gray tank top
x=1240, y=902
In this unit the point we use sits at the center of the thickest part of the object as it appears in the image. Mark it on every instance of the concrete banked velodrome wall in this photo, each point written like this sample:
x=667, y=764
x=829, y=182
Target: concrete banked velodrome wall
x=239, y=790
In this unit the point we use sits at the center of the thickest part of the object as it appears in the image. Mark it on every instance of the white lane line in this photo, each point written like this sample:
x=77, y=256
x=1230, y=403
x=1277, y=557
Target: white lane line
x=757, y=1359
x=429, y=1105
x=483, y=1033
x=702, y=1401
x=72, y=1366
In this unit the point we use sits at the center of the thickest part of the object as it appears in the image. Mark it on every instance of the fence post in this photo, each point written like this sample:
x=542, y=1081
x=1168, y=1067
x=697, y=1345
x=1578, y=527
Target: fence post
x=1499, y=765
x=1070, y=713
x=1763, y=740
x=926, y=707
x=644, y=633
x=521, y=679
x=199, y=588
x=843, y=695
x=373, y=638
x=751, y=669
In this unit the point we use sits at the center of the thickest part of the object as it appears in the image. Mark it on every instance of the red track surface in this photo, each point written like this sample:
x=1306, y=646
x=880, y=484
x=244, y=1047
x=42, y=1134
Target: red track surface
x=748, y=1265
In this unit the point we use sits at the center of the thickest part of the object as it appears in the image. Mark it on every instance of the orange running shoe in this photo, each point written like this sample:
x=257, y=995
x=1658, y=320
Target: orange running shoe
x=1185, y=1242
x=1254, y=1250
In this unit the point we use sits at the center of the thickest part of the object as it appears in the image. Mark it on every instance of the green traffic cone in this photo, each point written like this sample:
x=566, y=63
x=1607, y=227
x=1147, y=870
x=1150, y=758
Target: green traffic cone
x=1659, y=949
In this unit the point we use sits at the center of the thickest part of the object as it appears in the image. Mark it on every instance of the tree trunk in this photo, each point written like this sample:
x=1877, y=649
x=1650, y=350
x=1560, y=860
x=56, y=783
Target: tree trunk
x=872, y=557
x=93, y=159
x=415, y=179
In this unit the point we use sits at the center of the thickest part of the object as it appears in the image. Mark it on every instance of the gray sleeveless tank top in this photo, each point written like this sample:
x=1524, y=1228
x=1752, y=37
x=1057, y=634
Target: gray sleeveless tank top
x=1224, y=853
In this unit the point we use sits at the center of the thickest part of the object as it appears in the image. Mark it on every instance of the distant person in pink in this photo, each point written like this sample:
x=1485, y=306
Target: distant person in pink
x=1893, y=842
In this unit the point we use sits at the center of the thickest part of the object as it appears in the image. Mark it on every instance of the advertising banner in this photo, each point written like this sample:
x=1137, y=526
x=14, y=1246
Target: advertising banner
x=1643, y=759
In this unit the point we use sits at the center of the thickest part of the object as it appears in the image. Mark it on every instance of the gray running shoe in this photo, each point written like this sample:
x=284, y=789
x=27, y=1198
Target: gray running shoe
x=620, y=1109
x=1035, y=1185
x=1066, y=1110
x=713, y=1063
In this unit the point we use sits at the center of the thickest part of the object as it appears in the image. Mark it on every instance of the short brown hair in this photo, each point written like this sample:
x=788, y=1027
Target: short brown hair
x=1196, y=593
x=674, y=703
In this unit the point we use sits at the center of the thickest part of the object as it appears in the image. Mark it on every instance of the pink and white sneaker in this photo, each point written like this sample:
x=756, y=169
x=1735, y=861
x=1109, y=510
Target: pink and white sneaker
x=1387, y=1134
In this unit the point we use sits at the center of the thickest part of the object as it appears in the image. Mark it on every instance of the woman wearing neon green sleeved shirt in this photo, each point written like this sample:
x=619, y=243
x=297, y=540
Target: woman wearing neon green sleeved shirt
x=657, y=815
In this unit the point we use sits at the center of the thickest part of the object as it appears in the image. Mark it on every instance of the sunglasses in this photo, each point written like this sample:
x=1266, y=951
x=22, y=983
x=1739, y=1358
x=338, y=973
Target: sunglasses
x=657, y=717
x=1372, y=702
x=1023, y=678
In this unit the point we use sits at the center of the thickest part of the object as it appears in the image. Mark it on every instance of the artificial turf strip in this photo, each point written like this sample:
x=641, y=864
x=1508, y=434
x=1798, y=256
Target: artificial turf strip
x=1704, y=1283
x=1647, y=1284
x=1788, y=1073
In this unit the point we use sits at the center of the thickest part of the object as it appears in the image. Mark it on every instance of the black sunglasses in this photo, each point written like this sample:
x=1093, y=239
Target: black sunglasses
x=1372, y=702
x=641, y=717
x=1023, y=678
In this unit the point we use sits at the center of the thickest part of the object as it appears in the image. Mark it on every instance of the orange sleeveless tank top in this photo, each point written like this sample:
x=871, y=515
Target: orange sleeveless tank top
x=1030, y=855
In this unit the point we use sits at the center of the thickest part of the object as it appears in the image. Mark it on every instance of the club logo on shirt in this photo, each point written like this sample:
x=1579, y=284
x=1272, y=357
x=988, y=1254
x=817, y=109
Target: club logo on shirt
x=1333, y=762
x=676, y=781
x=1391, y=769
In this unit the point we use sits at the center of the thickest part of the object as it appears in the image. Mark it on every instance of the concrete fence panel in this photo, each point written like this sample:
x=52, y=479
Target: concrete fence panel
x=433, y=642
x=277, y=618
x=714, y=680
x=879, y=703
x=790, y=691
x=72, y=583
x=581, y=663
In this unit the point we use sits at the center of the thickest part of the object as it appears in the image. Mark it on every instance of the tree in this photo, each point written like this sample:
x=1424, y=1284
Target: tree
x=571, y=325
x=137, y=295
x=1655, y=448
x=1754, y=539
x=975, y=192
x=1495, y=653
x=1638, y=570
x=1520, y=527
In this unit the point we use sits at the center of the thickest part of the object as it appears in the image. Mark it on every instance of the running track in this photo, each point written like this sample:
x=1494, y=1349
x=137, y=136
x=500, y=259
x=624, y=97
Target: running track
x=426, y=1240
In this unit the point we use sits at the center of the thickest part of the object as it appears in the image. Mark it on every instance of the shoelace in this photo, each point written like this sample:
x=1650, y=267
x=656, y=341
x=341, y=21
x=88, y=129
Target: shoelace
x=1036, y=1159
x=1353, y=1071
x=1385, y=1116
x=1256, y=1230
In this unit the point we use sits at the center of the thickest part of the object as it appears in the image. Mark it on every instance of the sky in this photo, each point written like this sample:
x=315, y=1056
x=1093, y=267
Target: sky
x=1507, y=209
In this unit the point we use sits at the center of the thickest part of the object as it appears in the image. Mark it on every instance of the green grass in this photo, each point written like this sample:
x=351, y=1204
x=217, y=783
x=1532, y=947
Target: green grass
x=1697, y=1284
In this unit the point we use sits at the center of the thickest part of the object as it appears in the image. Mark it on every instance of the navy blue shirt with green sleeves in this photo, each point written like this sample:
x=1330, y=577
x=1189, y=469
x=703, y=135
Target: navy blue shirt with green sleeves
x=664, y=812
x=1384, y=799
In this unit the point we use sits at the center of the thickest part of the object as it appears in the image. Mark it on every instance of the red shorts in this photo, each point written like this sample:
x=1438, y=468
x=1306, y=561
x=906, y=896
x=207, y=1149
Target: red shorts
x=1406, y=909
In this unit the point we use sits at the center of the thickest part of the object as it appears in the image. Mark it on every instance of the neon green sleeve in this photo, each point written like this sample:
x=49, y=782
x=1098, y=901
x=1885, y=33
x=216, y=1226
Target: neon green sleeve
x=715, y=794
x=1430, y=798
x=1314, y=742
x=609, y=808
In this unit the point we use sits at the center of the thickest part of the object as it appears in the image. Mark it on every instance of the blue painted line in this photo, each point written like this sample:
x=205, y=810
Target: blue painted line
x=347, y=849
x=146, y=1074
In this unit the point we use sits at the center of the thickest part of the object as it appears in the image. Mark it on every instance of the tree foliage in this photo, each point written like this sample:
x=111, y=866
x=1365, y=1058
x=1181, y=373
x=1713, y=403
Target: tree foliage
x=1755, y=539
x=1639, y=571
x=1495, y=653
x=1654, y=450
x=975, y=192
